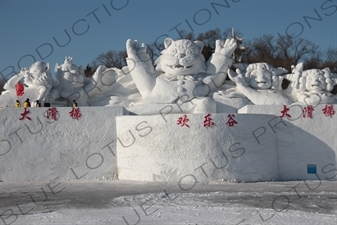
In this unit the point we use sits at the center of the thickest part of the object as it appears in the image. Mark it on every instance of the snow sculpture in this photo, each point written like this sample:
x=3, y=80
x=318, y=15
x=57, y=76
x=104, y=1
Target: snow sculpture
x=106, y=86
x=181, y=76
x=261, y=84
x=70, y=83
x=111, y=86
x=315, y=86
x=311, y=87
x=37, y=80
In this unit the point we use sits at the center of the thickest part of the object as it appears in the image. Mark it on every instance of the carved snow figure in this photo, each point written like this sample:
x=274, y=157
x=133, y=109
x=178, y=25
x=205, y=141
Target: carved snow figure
x=70, y=83
x=181, y=80
x=37, y=82
x=314, y=87
x=112, y=86
x=108, y=86
x=261, y=84
x=294, y=77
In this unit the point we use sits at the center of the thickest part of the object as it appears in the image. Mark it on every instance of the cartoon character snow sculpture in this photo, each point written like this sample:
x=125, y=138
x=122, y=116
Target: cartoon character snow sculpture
x=37, y=82
x=261, y=84
x=181, y=76
x=71, y=81
x=107, y=86
x=314, y=87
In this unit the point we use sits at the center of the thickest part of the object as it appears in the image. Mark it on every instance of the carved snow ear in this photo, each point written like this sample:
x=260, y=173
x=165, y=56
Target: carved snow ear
x=200, y=44
x=299, y=66
x=47, y=66
x=251, y=67
x=168, y=42
x=327, y=72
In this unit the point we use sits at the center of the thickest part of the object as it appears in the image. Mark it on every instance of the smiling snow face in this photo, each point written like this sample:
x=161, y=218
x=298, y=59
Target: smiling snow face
x=315, y=81
x=260, y=78
x=182, y=57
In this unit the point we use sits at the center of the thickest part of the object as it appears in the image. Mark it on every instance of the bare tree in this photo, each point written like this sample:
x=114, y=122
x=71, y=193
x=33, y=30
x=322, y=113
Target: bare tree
x=187, y=35
x=330, y=60
x=313, y=61
x=227, y=33
x=88, y=71
x=261, y=49
x=292, y=50
x=209, y=38
x=110, y=59
x=282, y=51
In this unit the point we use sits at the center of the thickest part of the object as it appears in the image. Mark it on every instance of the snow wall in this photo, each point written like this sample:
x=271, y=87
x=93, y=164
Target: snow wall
x=44, y=149
x=204, y=148
x=303, y=142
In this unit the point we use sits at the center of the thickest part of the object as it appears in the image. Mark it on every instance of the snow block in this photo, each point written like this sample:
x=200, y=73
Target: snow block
x=44, y=149
x=303, y=140
x=159, y=148
x=169, y=147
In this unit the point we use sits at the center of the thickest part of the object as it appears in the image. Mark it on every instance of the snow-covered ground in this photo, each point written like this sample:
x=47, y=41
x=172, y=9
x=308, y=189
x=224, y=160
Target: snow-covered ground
x=126, y=202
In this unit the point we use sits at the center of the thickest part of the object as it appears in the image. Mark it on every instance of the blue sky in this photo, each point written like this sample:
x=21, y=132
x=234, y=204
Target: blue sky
x=28, y=28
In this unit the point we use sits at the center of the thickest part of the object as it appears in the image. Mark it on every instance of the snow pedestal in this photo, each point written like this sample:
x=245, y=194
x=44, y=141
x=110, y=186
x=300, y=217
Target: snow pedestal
x=43, y=149
x=158, y=148
x=306, y=145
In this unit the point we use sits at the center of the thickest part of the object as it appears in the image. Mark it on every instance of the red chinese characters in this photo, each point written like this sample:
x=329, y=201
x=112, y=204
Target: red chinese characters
x=328, y=110
x=307, y=111
x=75, y=113
x=182, y=121
x=51, y=113
x=24, y=115
x=231, y=121
x=284, y=112
x=208, y=121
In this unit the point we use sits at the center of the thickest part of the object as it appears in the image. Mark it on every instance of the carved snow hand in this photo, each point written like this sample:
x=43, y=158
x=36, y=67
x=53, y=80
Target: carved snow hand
x=237, y=77
x=225, y=48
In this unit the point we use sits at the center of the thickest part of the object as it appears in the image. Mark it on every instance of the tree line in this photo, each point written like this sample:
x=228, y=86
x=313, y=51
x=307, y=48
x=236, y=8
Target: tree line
x=279, y=51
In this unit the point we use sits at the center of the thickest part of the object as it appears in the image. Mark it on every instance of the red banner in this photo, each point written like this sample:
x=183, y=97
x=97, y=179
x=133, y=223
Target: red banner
x=19, y=89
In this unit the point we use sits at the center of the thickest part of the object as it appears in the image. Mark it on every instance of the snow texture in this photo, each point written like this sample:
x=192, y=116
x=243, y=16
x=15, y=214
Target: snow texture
x=156, y=148
x=43, y=149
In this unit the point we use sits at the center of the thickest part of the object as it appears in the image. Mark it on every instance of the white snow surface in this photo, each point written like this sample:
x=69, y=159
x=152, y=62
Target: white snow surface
x=117, y=202
x=104, y=143
x=188, y=213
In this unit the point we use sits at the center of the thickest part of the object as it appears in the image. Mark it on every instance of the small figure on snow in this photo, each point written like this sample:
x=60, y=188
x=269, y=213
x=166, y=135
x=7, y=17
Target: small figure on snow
x=37, y=103
x=26, y=104
x=17, y=104
x=74, y=104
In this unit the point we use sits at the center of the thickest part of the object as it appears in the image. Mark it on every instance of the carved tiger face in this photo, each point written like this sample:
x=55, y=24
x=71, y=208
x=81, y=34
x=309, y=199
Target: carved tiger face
x=181, y=57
